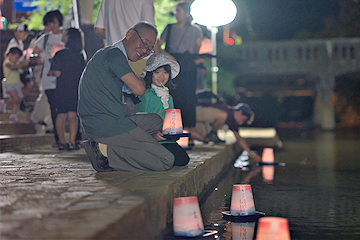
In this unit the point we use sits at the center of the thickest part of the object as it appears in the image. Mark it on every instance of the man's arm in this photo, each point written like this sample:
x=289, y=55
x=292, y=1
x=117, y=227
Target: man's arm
x=241, y=141
x=99, y=28
x=136, y=84
x=148, y=12
x=100, y=32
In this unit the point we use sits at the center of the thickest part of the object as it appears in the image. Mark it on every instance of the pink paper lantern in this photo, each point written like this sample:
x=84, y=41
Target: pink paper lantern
x=273, y=228
x=242, y=202
x=172, y=122
x=268, y=155
x=187, y=220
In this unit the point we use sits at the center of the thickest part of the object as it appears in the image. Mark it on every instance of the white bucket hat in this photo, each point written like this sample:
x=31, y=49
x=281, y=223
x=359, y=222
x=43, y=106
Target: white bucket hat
x=158, y=60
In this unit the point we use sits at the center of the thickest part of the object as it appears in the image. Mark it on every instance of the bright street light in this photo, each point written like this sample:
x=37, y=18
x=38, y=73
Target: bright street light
x=213, y=13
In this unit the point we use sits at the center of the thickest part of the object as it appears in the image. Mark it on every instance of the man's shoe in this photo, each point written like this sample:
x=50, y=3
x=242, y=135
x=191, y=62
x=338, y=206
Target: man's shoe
x=99, y=162
x=212, y=137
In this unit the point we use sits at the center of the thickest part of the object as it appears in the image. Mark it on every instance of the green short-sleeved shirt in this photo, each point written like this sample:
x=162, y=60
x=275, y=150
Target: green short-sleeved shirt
x=151, y=103
x=100, y=107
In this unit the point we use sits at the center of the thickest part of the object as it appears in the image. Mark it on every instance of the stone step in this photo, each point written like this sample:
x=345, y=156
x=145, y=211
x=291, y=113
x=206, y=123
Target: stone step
x=15, y=143
x=22, y=116
x=11, y=128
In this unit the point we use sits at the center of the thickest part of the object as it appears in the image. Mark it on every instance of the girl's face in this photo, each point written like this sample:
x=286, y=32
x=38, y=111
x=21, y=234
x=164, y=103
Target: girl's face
x=14, y=57
x=54, y=25
x=160, y=75
x=180, y=14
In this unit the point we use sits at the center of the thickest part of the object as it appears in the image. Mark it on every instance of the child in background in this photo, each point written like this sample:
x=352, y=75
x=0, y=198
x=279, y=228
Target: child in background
x=158, y=74
x=21, y=32
x=13, y=84
x=67, y=65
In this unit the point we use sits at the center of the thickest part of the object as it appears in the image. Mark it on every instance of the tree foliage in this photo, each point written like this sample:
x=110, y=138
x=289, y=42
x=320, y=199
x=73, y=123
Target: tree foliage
x=163, y=8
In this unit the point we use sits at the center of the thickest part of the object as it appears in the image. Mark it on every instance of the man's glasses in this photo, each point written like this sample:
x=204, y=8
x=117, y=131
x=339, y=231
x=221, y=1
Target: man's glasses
x=144, y=44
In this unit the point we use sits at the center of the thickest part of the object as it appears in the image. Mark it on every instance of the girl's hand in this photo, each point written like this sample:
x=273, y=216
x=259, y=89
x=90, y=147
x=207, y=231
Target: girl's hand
x=158, y=136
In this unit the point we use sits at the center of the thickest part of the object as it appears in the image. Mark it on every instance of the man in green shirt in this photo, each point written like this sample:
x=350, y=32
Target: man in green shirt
x=102, y=108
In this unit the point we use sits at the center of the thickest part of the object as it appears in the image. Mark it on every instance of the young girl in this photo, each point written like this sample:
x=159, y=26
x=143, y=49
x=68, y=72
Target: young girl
x=67, y=65
x=158, y=74
x=13, y=84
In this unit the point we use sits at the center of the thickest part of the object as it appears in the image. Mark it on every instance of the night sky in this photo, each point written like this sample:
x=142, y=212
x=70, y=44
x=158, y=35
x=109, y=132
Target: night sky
x=280, y=19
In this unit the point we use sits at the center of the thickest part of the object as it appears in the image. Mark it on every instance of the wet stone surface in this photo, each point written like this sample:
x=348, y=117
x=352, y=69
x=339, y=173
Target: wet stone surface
x=45, y=192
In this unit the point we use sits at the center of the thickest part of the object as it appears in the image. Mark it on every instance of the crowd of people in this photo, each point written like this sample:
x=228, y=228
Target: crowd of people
x=117, y=99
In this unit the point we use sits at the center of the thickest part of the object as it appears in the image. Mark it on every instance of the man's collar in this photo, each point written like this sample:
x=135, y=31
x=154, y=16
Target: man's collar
x=120, y=45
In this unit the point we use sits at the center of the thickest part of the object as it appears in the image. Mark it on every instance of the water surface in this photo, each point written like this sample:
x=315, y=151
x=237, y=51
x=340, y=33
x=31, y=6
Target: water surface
x=318, y=190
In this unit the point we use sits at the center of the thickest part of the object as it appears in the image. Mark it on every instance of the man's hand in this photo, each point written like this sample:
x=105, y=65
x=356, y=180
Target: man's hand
x=255, y=157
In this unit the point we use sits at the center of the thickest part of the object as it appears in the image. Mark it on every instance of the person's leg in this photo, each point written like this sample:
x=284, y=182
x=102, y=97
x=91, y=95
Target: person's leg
x=52, y=102
x=149, y=122
x=136, y=150
x=219, y=121
x=73, y=126
x=60, y=127
x=27, y=87
x=181, y=156
x=216, y=117
x=15, y=100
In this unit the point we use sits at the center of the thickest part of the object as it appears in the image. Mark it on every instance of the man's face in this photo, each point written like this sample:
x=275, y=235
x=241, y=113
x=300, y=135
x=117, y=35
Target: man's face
x=239, y=117
x=139, y=43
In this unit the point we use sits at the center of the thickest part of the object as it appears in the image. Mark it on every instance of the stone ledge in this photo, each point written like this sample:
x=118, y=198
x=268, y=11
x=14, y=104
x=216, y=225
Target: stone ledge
x=16, y=143
x=60, y=196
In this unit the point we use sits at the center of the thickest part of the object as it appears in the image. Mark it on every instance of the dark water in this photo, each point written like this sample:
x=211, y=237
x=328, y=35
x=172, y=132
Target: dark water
x=318, y=190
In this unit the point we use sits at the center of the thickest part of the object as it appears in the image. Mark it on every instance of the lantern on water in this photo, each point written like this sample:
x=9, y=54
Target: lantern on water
x=268, y=155
x=273, y=228
x=242, y=202
x=187, y=220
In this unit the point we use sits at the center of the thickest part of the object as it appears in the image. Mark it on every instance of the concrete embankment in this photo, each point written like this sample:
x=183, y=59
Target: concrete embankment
x=49, y=194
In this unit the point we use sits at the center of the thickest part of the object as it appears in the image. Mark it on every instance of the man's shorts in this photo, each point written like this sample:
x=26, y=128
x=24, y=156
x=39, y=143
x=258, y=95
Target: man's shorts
x=207, y=114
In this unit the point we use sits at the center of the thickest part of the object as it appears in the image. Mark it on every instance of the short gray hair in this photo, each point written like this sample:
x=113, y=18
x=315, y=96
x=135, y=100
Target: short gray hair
x=145, y=25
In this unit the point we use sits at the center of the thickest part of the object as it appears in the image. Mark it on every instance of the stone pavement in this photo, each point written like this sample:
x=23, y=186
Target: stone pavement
x=50, y=194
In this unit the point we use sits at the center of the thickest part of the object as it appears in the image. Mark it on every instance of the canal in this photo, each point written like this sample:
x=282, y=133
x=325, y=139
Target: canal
x=318, y=190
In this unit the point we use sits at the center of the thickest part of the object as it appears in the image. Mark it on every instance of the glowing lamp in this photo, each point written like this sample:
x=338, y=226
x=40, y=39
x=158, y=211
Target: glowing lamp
x=187, y=220
x=268, y=155
x=172, y=122
x=230, y=41
x=242, y=202
x=273, y=228
x=213, y=12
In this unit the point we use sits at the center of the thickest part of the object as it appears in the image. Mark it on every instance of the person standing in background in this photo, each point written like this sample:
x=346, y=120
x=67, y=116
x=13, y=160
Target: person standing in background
x=183, y=41
x=50, y=44
x=41, y=113
x=116, y=17
x=67, y=65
